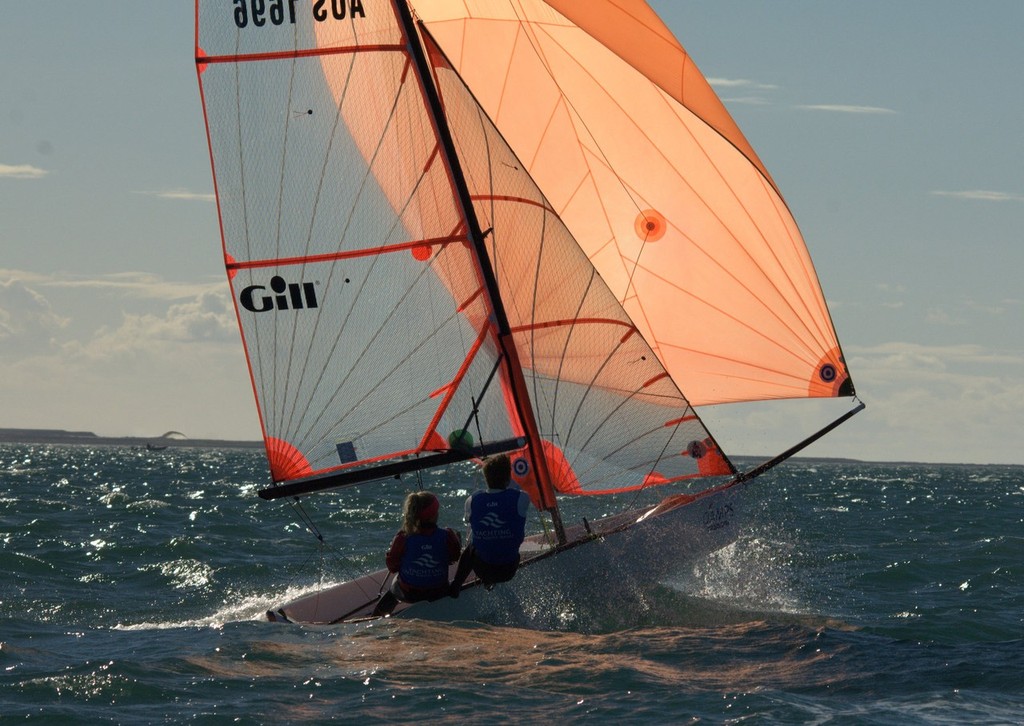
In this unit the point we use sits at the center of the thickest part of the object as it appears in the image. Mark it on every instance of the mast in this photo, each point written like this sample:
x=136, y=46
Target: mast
x=506, y=344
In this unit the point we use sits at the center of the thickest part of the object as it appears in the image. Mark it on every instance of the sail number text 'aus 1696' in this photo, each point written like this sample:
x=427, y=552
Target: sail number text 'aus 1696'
x=280, y=12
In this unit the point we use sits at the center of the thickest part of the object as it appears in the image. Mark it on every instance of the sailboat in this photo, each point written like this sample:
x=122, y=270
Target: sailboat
x=454, y=228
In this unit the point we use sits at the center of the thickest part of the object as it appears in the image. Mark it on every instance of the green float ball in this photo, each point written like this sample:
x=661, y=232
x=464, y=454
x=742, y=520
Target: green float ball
x=460, y=439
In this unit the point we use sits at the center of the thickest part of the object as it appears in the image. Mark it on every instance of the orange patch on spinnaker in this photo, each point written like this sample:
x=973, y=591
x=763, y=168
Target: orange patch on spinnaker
x=829, y=376
x=650, y=226
x=563, y=478
x=286, y=462
x=422, y=252
x=436, y=442
x=654, y=479
x=710, y=461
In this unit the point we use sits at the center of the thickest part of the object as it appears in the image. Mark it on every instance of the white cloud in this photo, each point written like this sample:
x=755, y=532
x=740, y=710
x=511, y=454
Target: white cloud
x=208, y=318
x=27, y=320
x=844, y=108
x=957, y=403
x=981, y=195
x=22, y=171
x=121, y=365
x=136, y=284
x=965, y=353
x=945, y=403
x=940, y=316
x=182, y=194
x=740, y=83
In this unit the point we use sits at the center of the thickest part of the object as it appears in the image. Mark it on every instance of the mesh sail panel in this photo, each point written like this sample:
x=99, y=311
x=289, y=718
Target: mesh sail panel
x=357, y=297
x=611, y=416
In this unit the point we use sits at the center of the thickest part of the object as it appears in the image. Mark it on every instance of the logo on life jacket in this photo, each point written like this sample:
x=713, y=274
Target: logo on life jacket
x=287, y=296
x=492, y=521
x=426, y=561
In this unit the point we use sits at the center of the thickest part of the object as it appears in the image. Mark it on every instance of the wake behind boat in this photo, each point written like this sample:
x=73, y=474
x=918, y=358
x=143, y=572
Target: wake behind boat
x=457, y=229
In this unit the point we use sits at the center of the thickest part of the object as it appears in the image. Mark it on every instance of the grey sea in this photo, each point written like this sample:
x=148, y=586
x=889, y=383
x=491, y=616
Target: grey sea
x=134, y=585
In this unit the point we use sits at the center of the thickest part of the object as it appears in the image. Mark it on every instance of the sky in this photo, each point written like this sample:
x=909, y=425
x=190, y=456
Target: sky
x=894, y=130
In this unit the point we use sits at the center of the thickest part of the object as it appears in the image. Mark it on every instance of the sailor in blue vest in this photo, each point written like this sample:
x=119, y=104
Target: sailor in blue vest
x=497, y=520
x=419, y=555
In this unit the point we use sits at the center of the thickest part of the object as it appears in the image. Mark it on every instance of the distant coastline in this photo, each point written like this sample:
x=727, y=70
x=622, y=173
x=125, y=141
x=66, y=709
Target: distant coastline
x=88, y=438
x=175, y=439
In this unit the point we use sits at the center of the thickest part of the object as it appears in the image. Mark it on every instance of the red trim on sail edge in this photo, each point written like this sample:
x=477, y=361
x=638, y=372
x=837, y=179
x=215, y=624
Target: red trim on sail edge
x=576, y=321
x=289, y=54
x=332, y=256
x=680, y=420
x=430, y=159
x=452, y=387
x=363, y=462
x=220, y=223
x=439, y=391
x=652, y=381
x=435, y=442
x=470, y=299
x=634, y=487
x=508, y=198
x=286, y=462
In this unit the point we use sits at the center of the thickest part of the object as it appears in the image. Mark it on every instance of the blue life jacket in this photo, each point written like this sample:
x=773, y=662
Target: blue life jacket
x=498, y=528
x=425, y=560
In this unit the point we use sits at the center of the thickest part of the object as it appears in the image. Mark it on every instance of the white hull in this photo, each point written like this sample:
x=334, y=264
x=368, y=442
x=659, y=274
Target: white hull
x=621, y=557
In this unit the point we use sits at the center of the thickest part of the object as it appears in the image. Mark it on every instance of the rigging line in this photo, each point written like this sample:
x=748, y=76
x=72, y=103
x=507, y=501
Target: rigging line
x=305, y=518
x=332, y=136
x=280, y=206
x=486, y=128
x=245, y=220
x=474, y=414
x=772, y=194
x=654, y=466
x=358, y=294
x=565, y=99
x=342, y=416
x=565, y=348
x=476, y=419
x=399, y=213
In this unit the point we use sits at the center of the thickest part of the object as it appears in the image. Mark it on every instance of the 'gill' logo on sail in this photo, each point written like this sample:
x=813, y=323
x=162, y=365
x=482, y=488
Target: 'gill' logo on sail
x=287, y=296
